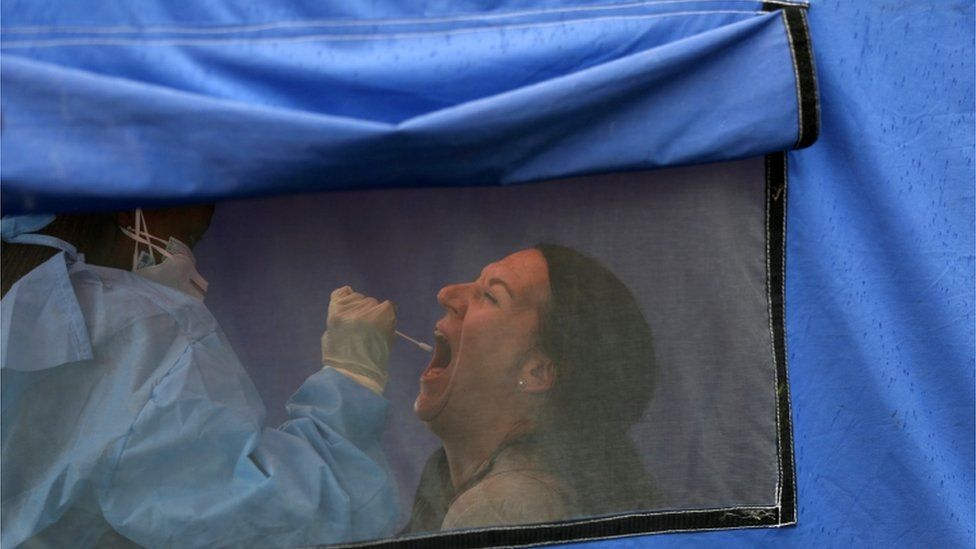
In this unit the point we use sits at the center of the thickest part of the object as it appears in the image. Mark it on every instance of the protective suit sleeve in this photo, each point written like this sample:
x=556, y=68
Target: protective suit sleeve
x=197, y=469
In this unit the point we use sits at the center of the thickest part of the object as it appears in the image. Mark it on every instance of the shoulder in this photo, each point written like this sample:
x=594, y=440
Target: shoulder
x=114, y=300
x=143, y=329
x=510, y=497
x=68, y=311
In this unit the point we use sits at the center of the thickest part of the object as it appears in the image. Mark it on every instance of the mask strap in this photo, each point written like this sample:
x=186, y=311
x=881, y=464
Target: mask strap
x=141, y=220
x=135, y=249
x=140, y=233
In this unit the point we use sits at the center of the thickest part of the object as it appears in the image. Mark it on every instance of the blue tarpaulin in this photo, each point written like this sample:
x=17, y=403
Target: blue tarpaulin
x=174, y=104
x=151, y=106
x=880, y=287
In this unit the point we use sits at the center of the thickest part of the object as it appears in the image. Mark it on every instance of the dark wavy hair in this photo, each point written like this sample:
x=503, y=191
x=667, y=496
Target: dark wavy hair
x=602, y=348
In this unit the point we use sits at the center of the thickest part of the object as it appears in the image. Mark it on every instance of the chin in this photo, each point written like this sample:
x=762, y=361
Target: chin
x=419, y=409
x=424, y=409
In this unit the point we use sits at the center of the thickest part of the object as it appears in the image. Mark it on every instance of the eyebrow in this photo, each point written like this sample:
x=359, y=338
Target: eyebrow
x=495, y=280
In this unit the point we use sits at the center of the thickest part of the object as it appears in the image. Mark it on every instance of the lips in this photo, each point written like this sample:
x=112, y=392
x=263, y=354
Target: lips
x=441, y=360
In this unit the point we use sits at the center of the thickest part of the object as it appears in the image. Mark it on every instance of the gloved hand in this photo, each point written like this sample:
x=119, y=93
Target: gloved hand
x=358, y=335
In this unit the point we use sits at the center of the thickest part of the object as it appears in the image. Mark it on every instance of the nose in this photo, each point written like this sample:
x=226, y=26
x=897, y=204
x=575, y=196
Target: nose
x=454, y=298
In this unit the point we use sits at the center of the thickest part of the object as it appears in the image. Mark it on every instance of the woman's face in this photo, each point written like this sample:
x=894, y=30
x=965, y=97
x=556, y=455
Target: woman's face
x=485, y=337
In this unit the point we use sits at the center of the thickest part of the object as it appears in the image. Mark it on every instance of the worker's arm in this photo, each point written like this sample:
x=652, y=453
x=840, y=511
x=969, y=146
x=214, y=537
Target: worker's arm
x=197, y=468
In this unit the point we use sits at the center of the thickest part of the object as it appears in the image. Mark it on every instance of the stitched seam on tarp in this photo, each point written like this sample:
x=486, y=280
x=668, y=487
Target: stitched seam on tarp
x=815, y=85
x=772, y=5
x=276, y=25
x=788, y=405
x=786, y=491
x=801, y=50
x=507, y=535
x=70, y=42
x=772, y=331
x=796, y=74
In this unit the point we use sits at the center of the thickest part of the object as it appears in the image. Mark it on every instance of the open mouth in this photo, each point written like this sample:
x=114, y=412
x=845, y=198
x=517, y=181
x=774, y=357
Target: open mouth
x=441, y=359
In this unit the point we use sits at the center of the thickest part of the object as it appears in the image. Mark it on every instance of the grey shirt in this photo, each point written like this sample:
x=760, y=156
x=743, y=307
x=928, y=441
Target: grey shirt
x=515, y=489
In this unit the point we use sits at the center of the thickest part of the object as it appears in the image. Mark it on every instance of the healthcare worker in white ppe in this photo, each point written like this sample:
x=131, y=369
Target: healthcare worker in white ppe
x=126, y=415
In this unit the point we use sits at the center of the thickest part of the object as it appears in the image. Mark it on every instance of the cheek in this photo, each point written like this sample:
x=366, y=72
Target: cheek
x=493, y=348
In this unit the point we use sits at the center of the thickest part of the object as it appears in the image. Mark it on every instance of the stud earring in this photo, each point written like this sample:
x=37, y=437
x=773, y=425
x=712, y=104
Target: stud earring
x=521, y=384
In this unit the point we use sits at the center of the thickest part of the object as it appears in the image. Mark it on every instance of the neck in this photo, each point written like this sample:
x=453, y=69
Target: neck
x=468, y=452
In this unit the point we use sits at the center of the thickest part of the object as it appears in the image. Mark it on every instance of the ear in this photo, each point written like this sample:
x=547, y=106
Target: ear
x=539, y=373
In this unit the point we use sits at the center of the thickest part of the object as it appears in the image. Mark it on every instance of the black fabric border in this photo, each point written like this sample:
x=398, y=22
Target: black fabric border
x=776, y=198
x=773, y=5
x=801, y=48
x=782, y=514
x=611, y=527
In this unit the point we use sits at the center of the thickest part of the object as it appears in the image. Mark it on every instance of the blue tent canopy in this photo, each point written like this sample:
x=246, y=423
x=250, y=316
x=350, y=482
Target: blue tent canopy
x=151, y=107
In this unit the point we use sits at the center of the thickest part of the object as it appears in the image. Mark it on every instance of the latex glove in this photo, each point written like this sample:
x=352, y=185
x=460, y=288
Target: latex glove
x=358, y=336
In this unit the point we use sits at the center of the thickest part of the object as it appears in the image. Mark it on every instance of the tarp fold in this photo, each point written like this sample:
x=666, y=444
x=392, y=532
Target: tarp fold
x=98, y=115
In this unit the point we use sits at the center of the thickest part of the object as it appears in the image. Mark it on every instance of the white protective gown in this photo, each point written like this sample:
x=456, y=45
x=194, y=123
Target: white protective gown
x=124, y=407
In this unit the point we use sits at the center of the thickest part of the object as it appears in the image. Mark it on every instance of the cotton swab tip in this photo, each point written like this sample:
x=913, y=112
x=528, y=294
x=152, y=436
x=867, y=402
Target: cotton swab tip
x=420, y=344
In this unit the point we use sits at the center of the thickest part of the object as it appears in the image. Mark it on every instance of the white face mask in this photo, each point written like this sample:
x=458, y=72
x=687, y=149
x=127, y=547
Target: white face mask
x=178, y=268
